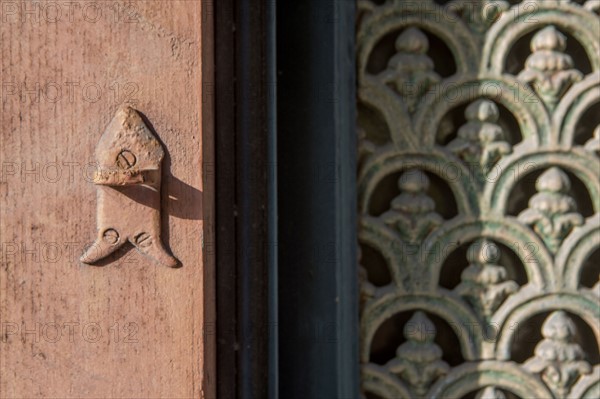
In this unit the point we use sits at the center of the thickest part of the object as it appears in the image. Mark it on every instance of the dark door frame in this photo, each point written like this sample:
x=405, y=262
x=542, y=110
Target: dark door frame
x=287, y=302
x=318, y=300
x=243, y=208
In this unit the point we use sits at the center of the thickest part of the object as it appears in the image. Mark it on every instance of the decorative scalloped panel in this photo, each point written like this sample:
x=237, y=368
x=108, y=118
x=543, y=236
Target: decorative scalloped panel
x=479, y=198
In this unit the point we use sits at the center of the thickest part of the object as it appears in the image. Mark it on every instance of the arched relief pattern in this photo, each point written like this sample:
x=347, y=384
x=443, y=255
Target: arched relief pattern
x=470, y=166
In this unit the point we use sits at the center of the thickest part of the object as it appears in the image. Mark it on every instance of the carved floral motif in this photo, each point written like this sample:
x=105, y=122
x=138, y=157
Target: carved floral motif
x=419, y=360
x=410, y=72
x=480, y=141
x=558, y=359
x=412, y=212
x=484, y=284
x=549, y=70
x=552, y=211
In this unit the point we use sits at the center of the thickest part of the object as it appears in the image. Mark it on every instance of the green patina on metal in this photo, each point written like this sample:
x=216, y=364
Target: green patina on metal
x=478, y=192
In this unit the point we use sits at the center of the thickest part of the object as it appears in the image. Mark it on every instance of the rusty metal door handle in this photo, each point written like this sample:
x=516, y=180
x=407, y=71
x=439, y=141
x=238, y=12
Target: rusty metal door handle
x=128, y=182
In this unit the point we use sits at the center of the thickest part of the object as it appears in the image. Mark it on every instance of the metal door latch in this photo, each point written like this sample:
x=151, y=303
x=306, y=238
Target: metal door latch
x=128, y=181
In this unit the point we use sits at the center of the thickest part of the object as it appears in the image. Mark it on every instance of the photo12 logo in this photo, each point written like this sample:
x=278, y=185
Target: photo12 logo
x=70, y=91
x=72, y=332
x=54, y=12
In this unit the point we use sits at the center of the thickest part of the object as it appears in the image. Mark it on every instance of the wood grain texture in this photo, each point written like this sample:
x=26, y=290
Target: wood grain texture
x=128, y=328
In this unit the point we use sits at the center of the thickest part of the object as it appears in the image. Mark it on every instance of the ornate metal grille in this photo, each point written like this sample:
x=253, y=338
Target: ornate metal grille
x=479, y=199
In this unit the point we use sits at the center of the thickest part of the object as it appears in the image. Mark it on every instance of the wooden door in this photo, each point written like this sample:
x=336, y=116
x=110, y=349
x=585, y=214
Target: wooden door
x=125, y=326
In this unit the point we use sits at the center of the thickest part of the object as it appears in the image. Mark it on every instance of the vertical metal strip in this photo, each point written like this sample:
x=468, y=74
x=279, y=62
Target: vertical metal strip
x=318, y=303
x=251, y=196
x=225, y=188
x=271, y=87
x=246, y=198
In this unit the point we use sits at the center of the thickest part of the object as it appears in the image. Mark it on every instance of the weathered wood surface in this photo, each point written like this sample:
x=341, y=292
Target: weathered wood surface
x=127, y=328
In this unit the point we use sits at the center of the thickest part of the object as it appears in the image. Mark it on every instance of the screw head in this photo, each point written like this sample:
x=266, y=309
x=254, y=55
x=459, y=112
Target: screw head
x=143, y=240
x=126, y=159
x=111, y=236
